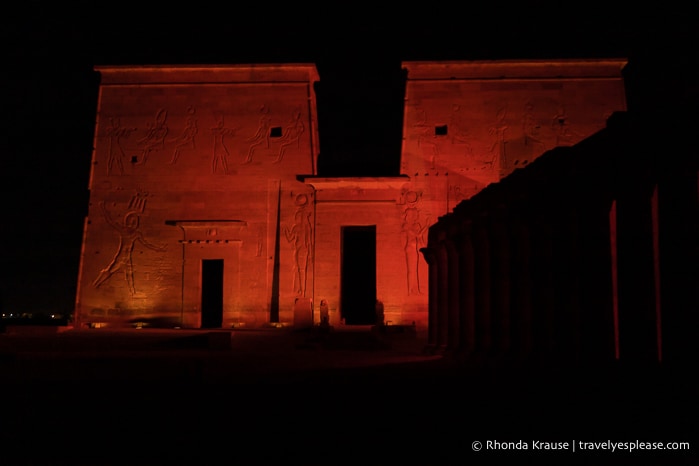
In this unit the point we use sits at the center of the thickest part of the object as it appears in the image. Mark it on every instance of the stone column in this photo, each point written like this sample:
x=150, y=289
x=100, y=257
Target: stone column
x=500, y=280
x=521, y=308
x=677, y=237
x=566, y=271
x=430, y=256
x=636, y=275
x=443, y=281
x=542, y=284
x=482, y=279
x=452, y=323
x=467, y=321
x=595, y=278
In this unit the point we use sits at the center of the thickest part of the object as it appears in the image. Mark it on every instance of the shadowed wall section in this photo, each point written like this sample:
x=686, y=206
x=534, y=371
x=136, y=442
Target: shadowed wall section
x=586, y=259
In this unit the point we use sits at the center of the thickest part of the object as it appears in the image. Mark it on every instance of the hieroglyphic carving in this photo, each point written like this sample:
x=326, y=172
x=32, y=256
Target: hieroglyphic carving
x=457, y=194
x=459, y=131
x=116, y=133
x=413, y=231
x=531, y=129
x=292, y=134
x=163, y=267
x=261, y=135
x=186, y=137
x=129, y=234
x=220, y=151
x=426, y=138
x=498, y=131
x=530, y=144
x=300, y=236
x=564, y=134
x=154, y=139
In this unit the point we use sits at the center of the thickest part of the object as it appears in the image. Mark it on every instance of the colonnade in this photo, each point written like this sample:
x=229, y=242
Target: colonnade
x=572, y=258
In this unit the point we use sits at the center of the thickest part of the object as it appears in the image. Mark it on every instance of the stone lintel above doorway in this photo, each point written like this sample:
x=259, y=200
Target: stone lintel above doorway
x=356, y=189
x=209, y=231
x=364, y=183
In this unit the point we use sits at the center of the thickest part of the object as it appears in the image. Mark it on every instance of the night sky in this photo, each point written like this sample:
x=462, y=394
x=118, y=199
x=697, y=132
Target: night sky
x=50, y=89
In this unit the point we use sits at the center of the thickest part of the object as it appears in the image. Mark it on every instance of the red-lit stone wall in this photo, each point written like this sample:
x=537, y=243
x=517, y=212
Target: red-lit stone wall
x=194, y=163
x=468, y=124
x=379, y=203
x=476, y=122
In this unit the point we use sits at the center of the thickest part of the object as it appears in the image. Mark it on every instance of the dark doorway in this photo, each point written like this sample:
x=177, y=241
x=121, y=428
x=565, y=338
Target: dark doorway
x=358, y=282
x=212, y=293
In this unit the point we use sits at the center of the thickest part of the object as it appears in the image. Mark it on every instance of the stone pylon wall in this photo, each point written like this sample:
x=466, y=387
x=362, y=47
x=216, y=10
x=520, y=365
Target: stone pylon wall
x=195, y=164
x=469, y=124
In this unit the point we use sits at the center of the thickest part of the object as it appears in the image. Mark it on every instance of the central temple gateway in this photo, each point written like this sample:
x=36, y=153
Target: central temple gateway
x=207, y=210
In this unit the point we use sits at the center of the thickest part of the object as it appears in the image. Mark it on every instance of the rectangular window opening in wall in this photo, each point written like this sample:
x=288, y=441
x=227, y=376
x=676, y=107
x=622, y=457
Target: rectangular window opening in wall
x=275, y=132
x=440, y=130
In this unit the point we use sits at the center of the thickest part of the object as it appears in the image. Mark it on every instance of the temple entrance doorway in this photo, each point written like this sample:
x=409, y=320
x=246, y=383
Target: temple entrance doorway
x=358, y=275
x=211, y=293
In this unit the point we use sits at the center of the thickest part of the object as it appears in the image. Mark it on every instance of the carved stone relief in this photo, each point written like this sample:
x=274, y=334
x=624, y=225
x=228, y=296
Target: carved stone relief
x=457, y=194
x=522, y=150
x=219, y=148
x=499, y=134
x=459, y=131
x=292, y=134
x=129, y=232
x=413, y=231
x=268, y=136
x=435, y=141
x=426, y=139
x=186, y=138
x=300, y=237
x=261, y=136
x=116, y=133
x=275, y=140
x=522, y=129
x=561, y=127
x=154, y=140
